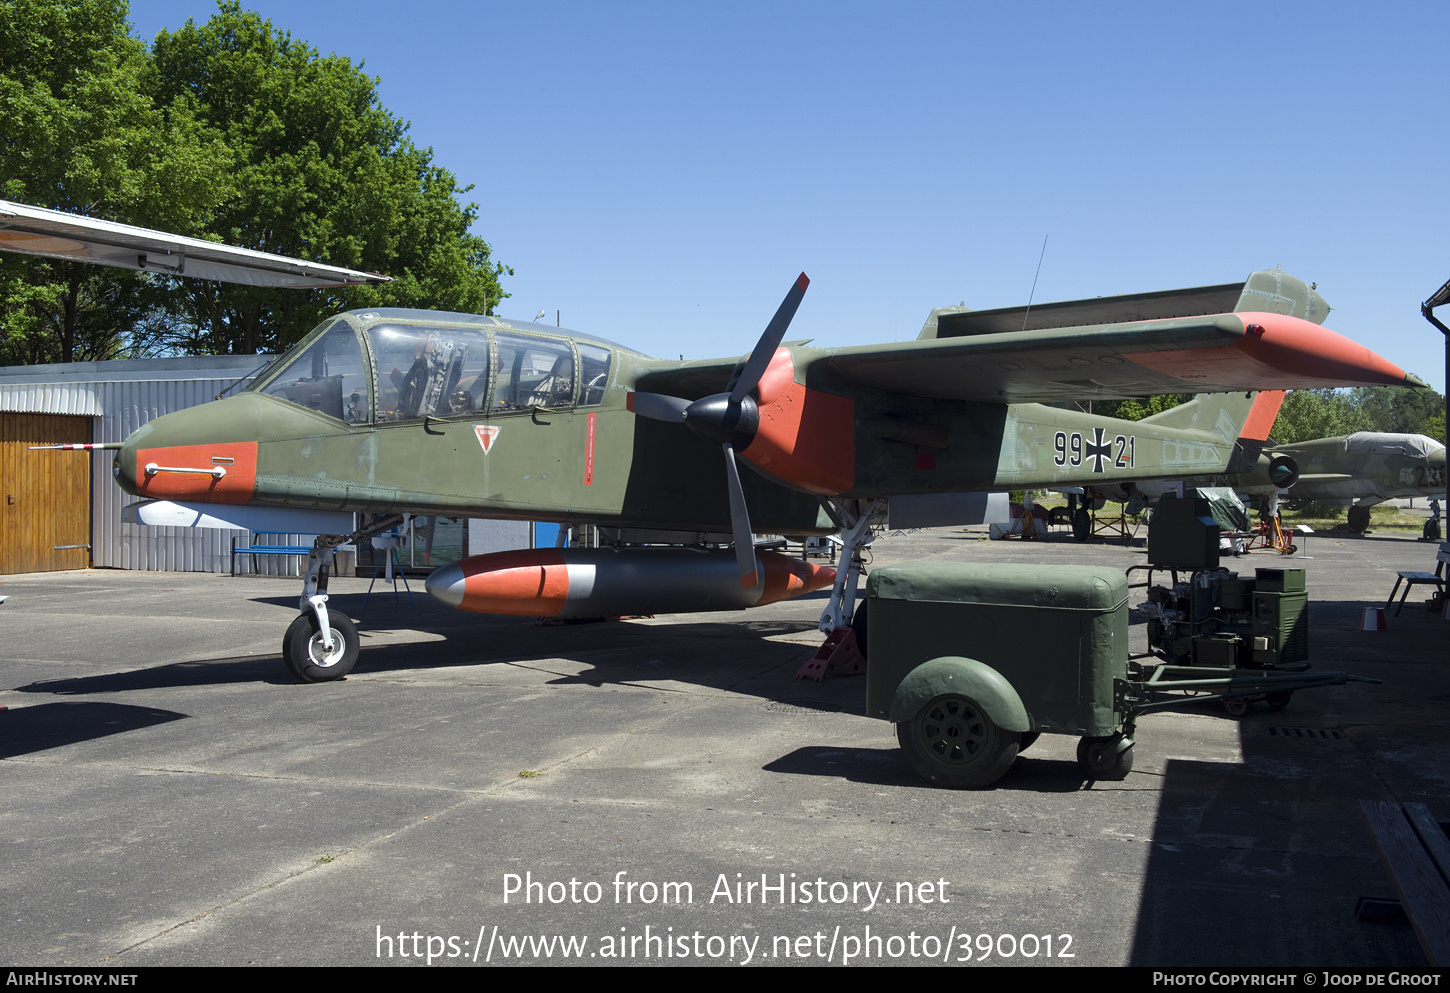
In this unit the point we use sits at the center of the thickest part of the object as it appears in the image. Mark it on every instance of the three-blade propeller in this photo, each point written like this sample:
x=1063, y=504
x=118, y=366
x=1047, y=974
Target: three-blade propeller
x=730, y=420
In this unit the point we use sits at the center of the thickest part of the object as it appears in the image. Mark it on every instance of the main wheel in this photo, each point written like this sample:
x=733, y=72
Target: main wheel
x=1099, y=758
x=1082, y=525
x=305, y=654
x=1358, y=518
x=953, y=743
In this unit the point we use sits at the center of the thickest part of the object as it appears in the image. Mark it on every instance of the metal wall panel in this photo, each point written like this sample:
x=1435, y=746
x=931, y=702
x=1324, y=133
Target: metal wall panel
x=127, y=406
x=121, y=396
x=49, y=398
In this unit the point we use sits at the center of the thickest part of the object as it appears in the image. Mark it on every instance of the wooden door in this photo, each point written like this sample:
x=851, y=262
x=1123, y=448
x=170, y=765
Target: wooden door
x=45, y=497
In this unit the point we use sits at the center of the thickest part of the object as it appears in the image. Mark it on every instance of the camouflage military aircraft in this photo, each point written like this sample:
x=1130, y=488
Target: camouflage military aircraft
x=386, y=412
x=1361, y=469
x=1367, y=468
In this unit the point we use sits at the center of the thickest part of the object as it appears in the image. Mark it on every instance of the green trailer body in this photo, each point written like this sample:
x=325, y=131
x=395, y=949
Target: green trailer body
x=1058, y=635
x=973, y=662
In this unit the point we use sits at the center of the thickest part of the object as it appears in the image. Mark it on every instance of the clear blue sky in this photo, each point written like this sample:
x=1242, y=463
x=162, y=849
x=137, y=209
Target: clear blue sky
x=659, y=172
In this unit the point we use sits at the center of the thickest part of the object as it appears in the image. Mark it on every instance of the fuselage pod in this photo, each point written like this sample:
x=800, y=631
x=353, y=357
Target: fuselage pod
x=605, y=582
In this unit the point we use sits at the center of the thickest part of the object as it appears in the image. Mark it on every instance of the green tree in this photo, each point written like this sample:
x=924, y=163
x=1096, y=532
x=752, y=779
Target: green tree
x=323, y=172
x=79, y=132
x=1308, y=414
x=1399, y=409
x=1136, y=410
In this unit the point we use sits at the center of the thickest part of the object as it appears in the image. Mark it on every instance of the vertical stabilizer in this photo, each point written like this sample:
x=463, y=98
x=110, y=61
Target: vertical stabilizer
x=1245, y=419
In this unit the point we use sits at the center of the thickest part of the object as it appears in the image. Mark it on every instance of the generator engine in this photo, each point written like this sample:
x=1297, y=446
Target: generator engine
x=1219, y=618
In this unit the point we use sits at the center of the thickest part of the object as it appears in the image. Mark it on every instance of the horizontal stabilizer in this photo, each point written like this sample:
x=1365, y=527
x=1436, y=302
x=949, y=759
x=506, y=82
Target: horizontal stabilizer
x=58, y=235
x=1271, y=291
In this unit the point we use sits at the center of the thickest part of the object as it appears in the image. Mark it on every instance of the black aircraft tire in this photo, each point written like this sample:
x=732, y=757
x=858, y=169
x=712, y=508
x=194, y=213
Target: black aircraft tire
x=1358, y=518
x=1431, y=530
x=1099, y=758
x=953, y=743
x=303, y=651
x=1082, y=525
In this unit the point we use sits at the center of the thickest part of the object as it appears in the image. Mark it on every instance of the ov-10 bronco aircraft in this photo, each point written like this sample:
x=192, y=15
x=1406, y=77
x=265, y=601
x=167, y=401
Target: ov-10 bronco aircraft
x=401, y=411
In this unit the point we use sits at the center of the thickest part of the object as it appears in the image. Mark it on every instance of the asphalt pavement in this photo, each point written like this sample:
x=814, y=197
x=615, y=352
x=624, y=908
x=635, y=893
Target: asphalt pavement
x=483, y=790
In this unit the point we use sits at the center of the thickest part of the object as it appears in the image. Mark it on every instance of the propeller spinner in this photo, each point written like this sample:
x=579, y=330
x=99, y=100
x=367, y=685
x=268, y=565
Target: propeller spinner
x=730, y=420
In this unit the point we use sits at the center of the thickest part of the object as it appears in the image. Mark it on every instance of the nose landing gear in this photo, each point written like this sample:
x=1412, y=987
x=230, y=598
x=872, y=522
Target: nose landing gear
x=321, y=645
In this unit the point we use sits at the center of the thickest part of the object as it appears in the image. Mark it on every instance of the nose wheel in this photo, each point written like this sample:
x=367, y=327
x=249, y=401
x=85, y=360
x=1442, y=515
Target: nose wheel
x=322, y=645
x=307, y=654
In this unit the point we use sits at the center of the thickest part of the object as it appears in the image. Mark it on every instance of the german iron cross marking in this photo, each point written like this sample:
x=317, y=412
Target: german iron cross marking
x=1097, y=451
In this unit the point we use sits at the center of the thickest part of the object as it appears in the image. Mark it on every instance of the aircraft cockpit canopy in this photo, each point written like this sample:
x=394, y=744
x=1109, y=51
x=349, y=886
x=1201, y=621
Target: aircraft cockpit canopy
x=433, y=370
x=329, y=375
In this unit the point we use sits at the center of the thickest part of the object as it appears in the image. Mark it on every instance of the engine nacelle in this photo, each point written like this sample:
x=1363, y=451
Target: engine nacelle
x=1279, y=472
x=608, y=582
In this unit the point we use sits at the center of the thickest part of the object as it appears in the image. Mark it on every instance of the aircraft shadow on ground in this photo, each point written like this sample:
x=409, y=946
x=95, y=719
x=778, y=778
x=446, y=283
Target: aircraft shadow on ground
x=615, y=653
x=25, y=730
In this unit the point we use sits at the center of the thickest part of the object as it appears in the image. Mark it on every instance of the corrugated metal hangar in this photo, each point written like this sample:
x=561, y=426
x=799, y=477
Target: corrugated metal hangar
x=61, y=510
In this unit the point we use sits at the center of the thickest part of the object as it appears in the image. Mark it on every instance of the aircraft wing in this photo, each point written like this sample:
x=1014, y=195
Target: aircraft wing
x=58, y=235
x=1215, y=354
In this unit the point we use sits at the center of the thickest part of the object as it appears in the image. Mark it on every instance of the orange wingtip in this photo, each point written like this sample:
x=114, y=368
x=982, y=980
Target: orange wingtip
x=1276, y=352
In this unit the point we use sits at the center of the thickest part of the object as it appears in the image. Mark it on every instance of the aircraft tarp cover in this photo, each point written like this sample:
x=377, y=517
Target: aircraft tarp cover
x=1225, y=507
x=1380, y=443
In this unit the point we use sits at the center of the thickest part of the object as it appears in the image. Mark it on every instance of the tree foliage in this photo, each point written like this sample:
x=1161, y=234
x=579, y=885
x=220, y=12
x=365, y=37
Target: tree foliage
x=79, y=132
x=232, y=131
x=1309, y=414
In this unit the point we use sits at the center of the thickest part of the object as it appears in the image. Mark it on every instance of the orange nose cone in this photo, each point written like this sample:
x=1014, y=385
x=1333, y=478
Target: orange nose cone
x=786, y=577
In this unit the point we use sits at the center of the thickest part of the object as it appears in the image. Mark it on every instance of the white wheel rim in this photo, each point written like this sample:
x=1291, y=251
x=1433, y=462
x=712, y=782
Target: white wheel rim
x=318, y=654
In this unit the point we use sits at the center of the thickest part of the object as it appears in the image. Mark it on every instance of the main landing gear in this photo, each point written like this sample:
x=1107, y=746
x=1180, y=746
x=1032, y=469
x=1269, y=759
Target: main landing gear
x=322, y=645
x=854, y=518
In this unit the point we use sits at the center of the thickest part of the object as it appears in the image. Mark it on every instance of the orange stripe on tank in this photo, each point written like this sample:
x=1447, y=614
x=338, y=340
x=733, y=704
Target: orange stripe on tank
x=526, y=583
x=806, y=438
x=786, y=577
x=1289, y=352
x=238, y=458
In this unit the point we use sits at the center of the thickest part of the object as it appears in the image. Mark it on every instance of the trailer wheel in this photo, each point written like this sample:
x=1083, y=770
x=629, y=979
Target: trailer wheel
x=1237, y=706
x=1100, y=758
x=952, y=742
x=1279, y=700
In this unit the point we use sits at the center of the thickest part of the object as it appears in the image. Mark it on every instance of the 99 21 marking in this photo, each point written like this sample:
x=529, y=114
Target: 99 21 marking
x=1073, y=449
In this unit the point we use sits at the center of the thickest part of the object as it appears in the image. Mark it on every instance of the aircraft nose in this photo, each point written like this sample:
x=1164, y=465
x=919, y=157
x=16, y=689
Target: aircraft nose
x=446, y=584
x=123, y=466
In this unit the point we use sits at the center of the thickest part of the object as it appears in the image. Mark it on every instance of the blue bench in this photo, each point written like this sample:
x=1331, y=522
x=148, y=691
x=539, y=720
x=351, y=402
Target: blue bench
x=254, y=549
